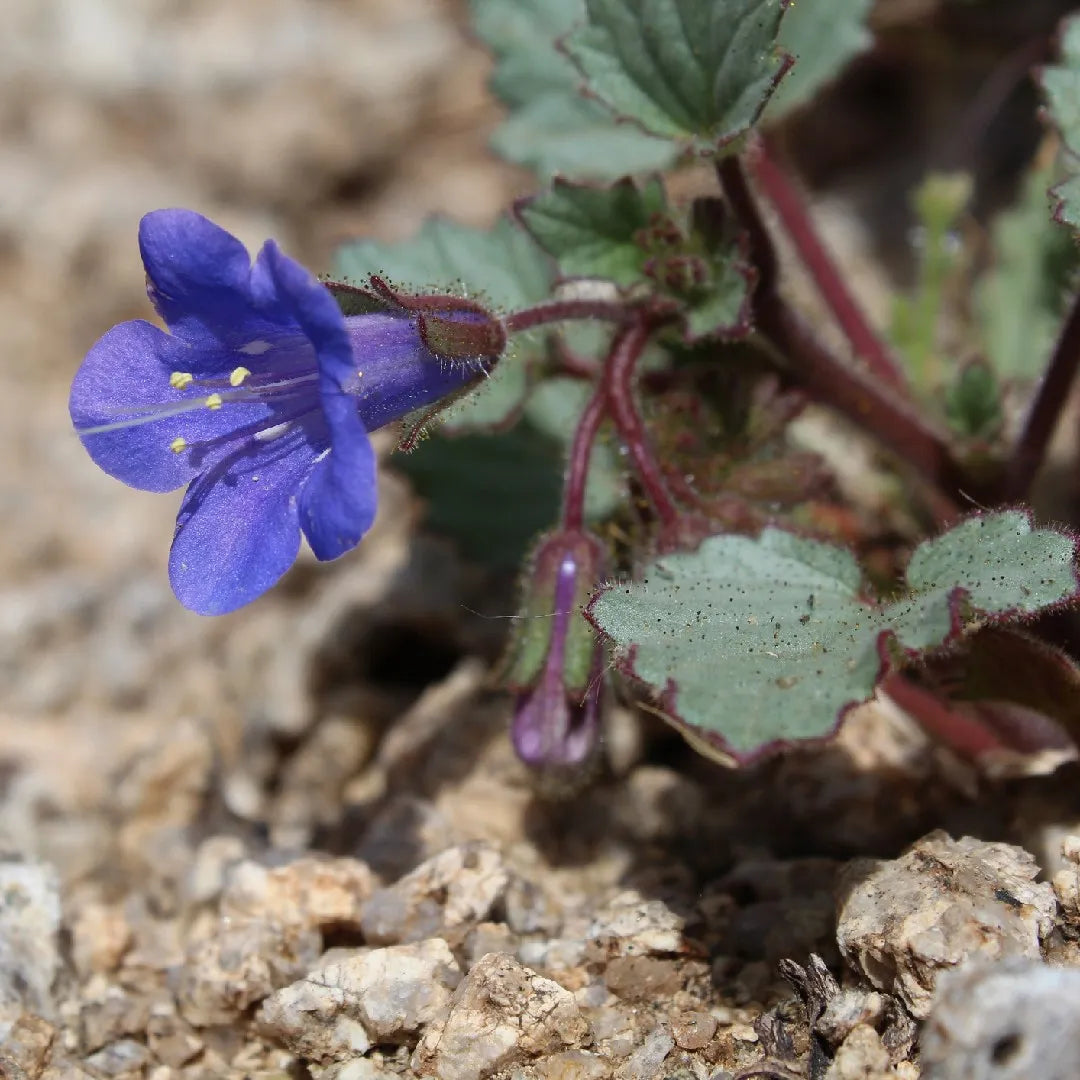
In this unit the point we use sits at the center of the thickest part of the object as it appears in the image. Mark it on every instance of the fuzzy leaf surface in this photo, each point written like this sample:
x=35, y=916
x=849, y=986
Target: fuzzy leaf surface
x=822, y=36
x=752, y=642
x=499, y=267
x=552, y=127
x=1061, y=85
x=683, y=69
x=591, y=231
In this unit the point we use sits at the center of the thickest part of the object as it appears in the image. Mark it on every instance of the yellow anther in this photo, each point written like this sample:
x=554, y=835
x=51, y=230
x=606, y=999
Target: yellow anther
x=180, y=380
x=178, y=445
x=238, y=375
x=213, y=401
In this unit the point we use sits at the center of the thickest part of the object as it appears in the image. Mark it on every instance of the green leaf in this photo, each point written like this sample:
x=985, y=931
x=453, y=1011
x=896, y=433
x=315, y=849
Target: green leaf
x=1061, y=85
x=754, y=642
x=493, y=494
x=1020, y=301
x=500, y=267
x=552, y=128
x=592, y=232
x=822, y=36
x=683, y=69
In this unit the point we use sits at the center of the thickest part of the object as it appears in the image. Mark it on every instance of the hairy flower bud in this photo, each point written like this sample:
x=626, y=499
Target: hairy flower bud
x=556, y=661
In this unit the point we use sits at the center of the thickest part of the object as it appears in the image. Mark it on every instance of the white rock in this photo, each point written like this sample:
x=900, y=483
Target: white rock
x=501, y=1015
x=644, y=1063
x=29, y=922
x=444, y=896
x=380, y=996
x=1017, y=1020
x=943, y=901
x=629, y=925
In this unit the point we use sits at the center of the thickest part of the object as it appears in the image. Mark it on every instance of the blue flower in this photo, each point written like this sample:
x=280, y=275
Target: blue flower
x=260, y=397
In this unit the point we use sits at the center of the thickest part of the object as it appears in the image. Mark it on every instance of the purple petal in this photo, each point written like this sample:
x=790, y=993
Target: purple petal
x=199, y=280
x=122, y=378
x=338, y=502
x=238, y=529
x=283, y=283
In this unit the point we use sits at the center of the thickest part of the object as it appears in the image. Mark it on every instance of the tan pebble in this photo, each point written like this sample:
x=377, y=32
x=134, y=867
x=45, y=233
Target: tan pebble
x=692, y=1030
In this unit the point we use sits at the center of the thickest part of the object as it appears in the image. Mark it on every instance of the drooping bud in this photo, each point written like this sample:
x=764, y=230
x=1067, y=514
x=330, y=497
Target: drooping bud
x=556, y=661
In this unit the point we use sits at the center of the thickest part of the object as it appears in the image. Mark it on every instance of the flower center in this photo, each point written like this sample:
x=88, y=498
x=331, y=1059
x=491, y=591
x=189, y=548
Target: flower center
x=288, y=387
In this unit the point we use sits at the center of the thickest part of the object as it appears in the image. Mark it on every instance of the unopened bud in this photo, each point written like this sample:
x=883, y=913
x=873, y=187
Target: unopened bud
x=556, y=662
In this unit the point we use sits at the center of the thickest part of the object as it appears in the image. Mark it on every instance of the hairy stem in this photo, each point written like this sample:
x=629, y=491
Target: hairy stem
x=1046, y=407
x=555, y=311
x=577, y=472
x=799, y=226
x=851, y=392
x=619, y=372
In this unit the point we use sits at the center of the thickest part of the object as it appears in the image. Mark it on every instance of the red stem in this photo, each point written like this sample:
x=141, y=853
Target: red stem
x=847, y=389
x=577, y=473
x=826, y=276
x=619, y=371
x=563, y=311
x=1046, y=408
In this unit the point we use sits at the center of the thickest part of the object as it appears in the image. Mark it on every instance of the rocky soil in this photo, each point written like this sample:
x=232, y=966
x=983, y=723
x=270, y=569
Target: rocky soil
x=294, y=841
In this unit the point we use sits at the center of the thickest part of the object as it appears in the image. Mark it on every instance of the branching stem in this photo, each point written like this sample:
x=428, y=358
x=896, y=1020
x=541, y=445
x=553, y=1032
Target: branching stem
x=859, y=396
x=619, y=371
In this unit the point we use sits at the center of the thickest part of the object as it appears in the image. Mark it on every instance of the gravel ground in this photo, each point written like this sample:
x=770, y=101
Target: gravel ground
x=294, y=841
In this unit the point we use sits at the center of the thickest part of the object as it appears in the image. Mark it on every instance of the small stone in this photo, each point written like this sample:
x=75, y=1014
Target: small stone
x=239, y=964
x=862, y=1056
x=378, y=996
x=501, y=1015
x=489, y=937
x=29, y=923
x=311, y=891
x=692, y=1030
x=643, y=978
x=109, y=1014
x=442, y=897
x=25, y=1050
x=1015, y=1020
x=205, y=879
x=100, y=936
x=573, y=1065
x=269, y=933
x=904, y=921
x=631, y=926
x=644, y=1063
x=846, y=1010
x=170, y=1039
x=119, y=1058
